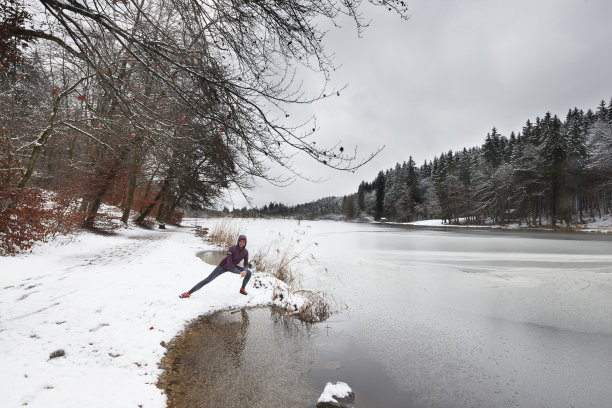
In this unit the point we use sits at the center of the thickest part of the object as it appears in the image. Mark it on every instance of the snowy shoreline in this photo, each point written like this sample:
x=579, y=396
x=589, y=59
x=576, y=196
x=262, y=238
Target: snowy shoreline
x=602, y=225
x=110, y=302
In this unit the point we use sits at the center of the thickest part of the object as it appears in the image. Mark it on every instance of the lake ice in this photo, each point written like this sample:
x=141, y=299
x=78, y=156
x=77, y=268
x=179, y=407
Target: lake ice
x=467, y=318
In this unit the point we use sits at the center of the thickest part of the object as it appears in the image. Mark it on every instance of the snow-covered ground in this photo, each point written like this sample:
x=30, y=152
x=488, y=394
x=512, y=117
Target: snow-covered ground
x=109, y=302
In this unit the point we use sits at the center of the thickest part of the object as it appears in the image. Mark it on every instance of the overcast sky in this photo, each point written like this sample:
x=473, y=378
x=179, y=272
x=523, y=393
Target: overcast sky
x=445, y=77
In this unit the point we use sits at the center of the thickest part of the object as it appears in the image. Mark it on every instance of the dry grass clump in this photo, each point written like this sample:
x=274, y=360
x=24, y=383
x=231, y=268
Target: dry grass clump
x=280, y=263
x=316, y=308
x=225, y=232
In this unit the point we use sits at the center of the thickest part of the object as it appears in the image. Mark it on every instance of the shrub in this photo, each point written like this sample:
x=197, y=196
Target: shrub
x=23, y=219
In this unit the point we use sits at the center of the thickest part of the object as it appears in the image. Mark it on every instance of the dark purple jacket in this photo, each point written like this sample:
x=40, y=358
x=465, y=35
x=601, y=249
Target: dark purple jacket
x=236, y=254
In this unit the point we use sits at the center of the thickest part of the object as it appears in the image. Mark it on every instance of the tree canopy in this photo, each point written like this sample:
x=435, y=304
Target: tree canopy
x=161, y=104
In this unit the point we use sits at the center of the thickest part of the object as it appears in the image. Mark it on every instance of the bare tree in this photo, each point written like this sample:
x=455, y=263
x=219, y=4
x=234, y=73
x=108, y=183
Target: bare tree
x=231, y=63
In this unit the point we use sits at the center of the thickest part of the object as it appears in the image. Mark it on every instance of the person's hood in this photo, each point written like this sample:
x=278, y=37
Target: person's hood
x=241, y=237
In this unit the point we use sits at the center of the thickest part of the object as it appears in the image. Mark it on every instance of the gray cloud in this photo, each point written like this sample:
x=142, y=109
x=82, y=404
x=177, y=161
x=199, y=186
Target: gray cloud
x=445, y=77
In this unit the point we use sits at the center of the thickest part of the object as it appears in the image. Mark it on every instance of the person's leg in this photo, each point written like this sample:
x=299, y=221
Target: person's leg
x=239, y=269
x=215, y=273
x=246, y=279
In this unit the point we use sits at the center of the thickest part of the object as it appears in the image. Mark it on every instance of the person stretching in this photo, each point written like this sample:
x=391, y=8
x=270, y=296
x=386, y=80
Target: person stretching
x=235, y=254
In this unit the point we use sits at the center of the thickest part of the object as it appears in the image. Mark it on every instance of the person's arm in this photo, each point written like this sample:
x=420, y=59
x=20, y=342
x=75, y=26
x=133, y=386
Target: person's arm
x=230, y=261
x=246, y=263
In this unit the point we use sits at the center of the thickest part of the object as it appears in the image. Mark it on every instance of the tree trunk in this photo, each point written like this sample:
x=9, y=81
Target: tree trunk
x=170, y=208
x=44, y=136
x=40, y=142
x=93, y=210
x=84, y=205
x=97, y=202
x=129, y=196
x=159, y=195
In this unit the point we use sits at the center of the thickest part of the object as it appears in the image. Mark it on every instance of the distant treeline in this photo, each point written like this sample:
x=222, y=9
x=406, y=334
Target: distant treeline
x=553, y=171
x=321, y=208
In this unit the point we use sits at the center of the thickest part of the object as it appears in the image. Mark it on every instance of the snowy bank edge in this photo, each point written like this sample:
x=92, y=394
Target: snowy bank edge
x=113, y=335
x=602, y=226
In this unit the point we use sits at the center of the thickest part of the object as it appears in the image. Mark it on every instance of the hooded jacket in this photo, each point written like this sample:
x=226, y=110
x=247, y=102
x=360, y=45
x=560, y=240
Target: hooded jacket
x=235, y=254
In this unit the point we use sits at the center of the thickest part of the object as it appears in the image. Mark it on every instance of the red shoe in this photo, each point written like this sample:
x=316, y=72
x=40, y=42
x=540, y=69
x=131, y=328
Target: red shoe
x=243, y=292
x=184, y=295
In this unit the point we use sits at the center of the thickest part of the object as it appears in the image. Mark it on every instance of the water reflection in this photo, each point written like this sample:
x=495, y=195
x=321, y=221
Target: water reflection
x=238, y=359
x=292, y=326
x=234, y=345
x=264, y=358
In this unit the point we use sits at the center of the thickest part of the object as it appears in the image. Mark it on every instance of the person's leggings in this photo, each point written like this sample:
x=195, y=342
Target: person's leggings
x=218, y=271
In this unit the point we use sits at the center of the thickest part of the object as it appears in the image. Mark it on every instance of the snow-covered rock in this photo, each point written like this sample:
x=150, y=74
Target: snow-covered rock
x=335, y=395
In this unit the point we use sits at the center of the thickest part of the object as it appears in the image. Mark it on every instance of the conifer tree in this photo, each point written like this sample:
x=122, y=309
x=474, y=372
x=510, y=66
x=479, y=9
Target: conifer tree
x=379, y=188
x=554, y=149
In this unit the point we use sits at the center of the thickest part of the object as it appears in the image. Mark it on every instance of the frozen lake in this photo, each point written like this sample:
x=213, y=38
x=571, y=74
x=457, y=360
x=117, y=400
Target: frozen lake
x=458, y=318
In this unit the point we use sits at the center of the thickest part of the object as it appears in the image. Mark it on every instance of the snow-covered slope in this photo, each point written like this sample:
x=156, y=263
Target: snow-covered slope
x=109, y=302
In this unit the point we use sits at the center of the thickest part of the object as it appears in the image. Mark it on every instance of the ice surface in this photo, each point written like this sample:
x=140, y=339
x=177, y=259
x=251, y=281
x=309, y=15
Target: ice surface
x=468, y=318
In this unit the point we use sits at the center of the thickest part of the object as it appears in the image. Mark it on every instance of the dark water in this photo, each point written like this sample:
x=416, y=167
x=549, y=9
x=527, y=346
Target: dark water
x=258, y=358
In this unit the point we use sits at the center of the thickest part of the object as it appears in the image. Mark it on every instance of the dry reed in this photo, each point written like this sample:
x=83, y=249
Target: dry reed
x=225, y=232
x=281, y=259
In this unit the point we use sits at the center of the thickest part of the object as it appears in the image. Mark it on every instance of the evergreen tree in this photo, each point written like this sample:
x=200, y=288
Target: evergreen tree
x=393, y=190
x=494, y=149
x=512, y=142
x=405, y=204
x=554, y=149
x=379, y=187
x=529, y=183
x=361, y=197
x=529, y=132
x=575, y=134
x=348, y=207
x=602, y=111
x=412, y=180
x=599, y=168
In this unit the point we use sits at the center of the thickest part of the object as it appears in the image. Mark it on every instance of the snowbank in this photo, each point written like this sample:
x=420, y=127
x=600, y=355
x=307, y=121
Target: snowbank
x=111, y=303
